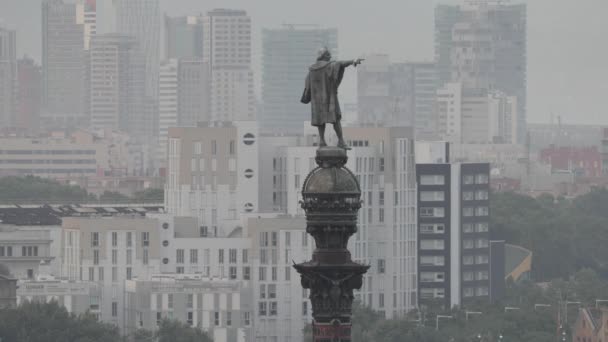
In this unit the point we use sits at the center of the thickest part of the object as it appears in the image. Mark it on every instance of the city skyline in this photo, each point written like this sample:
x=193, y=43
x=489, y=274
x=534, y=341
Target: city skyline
x=559, y=61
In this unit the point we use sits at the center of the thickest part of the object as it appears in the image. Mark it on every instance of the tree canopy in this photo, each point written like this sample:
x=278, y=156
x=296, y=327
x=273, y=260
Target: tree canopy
x=172, y=331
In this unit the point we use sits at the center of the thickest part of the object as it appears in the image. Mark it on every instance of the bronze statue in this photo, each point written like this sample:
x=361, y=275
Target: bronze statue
x=321, y=91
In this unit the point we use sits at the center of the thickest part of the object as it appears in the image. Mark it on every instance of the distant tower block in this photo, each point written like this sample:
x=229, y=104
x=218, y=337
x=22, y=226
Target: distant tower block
x=331, y=199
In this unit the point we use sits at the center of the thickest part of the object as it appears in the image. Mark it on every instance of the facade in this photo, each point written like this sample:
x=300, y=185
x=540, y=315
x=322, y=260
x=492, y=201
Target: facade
x=604, y=151
x=213, y=173
x=584, y=162
x=398, y=94
x=383, y=161
x=457, y=262
x=167, y=104
x=63, y=65
x=86, y=11
x=8, y=291
x=194, y=102
x=476, y=115
x=28, y=95
x=287, y=53
x=183, y=37
x=218, y=306
x=140, y=19
x=25, y=250
x=8, y=74
x=78, y=297
x=227, y=49
x=118, y=105
x=484, y=46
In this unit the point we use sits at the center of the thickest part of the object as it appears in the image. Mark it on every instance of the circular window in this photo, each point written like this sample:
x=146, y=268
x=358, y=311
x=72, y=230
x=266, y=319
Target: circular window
x=248, y=173
x=165, y=243
x=165, y=225
x=165, y=261
x=248, y=207
x=248, y=139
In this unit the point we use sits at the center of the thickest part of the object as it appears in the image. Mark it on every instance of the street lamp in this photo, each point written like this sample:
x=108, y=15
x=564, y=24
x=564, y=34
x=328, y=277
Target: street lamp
x=509, y=308
x=438, y=318
x=467, y=313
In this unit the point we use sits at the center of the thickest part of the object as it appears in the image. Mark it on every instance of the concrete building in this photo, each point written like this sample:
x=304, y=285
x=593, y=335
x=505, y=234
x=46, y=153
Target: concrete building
x=468, y=115
x=213, y=173
x=23, y=251
x=383, y=161
x=63, y=65
x=581, y=162
x=86, y=12
x=8, y=291
x=77, y=297
x=227, y=49
x=454, y=250
x=218, y=306
x=484, y=46
x=8, y=74
x=287, y=52
x=119, y=104
x=194, y=82
x=28, y=96
x=167, y=105
x=398, y=94
x=183, y=37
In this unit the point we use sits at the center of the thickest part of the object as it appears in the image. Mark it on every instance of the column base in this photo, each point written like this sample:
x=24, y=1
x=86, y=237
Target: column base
x=334, y=331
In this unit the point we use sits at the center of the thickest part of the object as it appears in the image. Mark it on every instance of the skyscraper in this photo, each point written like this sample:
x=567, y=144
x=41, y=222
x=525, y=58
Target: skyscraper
x=141, y=20
x=86, y=11
x=183, y=37
x=193, y=92
x=116, y=86
x=287, y=53
x=63, y=65
x=227, y=49
x=29, y=80
x=7, y=77
x=167, y=103
x=484, y=46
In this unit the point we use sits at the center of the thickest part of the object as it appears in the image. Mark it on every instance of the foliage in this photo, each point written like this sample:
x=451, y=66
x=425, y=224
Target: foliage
x=175, y=331
x=564, y=235
x=30, y=188
x=150, y=195
x=113, y=196
x=40, y=322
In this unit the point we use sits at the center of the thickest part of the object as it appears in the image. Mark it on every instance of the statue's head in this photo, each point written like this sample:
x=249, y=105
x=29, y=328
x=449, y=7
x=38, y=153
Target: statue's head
x=323, y=54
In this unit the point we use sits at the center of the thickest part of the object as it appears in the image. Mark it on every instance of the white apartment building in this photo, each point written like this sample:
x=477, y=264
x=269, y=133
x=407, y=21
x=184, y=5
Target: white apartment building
x=78, y=297
x=213, y=173
x=382, y=160
x=227, y=49
x=220, y=307
x=24, y=249
x=476, y=116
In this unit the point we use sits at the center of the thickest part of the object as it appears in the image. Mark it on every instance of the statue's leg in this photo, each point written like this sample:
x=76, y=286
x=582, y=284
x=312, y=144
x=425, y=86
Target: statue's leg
x=322, y=135
x=338, y=129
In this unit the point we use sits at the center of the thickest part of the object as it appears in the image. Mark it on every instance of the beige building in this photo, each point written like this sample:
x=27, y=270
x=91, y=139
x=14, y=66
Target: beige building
x=213, y=173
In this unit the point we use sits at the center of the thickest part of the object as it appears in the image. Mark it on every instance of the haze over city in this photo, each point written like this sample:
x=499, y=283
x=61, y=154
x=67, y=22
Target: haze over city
x=297, y=171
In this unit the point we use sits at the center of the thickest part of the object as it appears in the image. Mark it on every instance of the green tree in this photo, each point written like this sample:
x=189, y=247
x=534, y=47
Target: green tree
x=175, y=331
x=150, y=195
x=113, y=196
x=30, y=189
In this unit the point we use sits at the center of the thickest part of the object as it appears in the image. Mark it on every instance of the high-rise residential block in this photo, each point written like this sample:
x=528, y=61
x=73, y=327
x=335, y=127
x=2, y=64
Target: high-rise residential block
x=183, y=37
x=194, y=82
x=287, y=53
x=484, y=46
x=227, y=49
x=8, y=71
x=63, y=65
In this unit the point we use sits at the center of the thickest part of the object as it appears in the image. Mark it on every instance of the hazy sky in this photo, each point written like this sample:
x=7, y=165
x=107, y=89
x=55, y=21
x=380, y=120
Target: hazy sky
x=567, y=49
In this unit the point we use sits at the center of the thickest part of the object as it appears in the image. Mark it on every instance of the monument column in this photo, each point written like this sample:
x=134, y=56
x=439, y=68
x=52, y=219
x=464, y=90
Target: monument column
x=331, y=198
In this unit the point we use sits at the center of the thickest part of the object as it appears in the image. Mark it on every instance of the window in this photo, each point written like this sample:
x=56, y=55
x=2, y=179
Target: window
x=272, y=291
x=232, y=271
x=179, y=258
x=190, y=301
x=129, y=273
x=114, y=309
x=91, y=274
x=467, y=196
x=381, y=215
x=381, y=300
x=274, y=273
x=95, y=239
x=288, y=273
x=273, y=309
x=304, y=308
x=247, y=318
x=231, y=148
x=262, y=274
x=468, y=179
x=232, y=256
x=229, y=318
x=468, y=244
x=114, y=256
x=262, y=308
x=481, y=179
x=216, y=318
x=145, y=239
x=129, y=256
x=467, y=228
x=482, y=227
x=381, y=266
x=245, y=256
x=434, y=260
x=114, y=274
x=482, y=243
x=432, y=180
x=274, y=237
x=1, y=251
x=482, y=211
x=381, y=164
x=287, y=239
x=432, y=196
x=145, y=257
x=246, y=273
x=432, y=244
x=438, y=228
x=129, y=239
x=432, y=212
x=9, y=251
x=263, y=239
x=468, y=260
x=198, y=147
x=101, y=275
x=481, y=195
x=95, y=257
x=114, y=239
x=213, y=147
x=481, y=259
x=431, y=277
x=220, y=256
x=190, y=319
x=204, y=231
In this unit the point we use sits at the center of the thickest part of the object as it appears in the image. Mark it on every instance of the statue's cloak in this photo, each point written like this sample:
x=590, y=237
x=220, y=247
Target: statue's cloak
x=321, y=90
